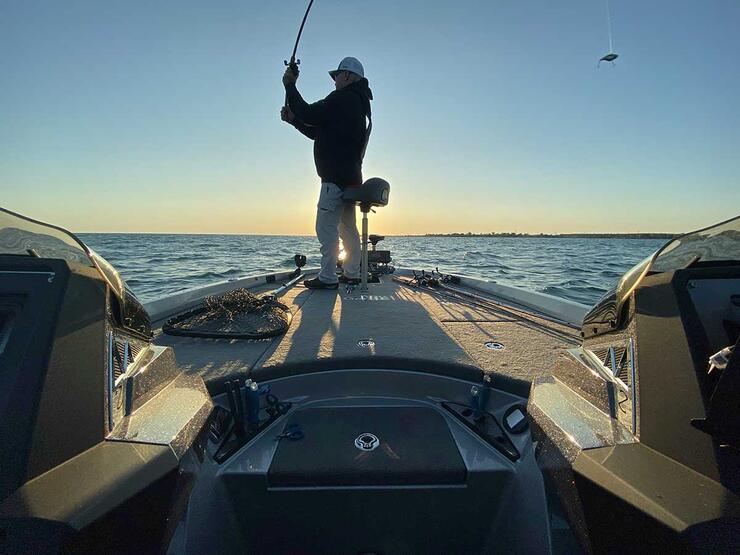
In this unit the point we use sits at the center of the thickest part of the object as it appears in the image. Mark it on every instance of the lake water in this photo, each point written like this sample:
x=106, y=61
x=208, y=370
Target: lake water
x=580, y=269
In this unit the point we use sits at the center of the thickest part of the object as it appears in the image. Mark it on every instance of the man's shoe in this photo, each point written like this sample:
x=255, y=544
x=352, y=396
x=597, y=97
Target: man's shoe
x=316, y=283
x=351, y=281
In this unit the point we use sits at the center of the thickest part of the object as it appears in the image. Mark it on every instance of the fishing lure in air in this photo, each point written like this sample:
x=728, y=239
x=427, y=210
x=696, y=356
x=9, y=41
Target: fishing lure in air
x=611, y=56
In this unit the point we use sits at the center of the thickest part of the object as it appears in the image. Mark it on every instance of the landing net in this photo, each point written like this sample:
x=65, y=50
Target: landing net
x=237, y=314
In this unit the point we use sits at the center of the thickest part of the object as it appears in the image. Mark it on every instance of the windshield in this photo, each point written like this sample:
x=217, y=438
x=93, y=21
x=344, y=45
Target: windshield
x=23, y=236
x=717, y=243
x=720, y=242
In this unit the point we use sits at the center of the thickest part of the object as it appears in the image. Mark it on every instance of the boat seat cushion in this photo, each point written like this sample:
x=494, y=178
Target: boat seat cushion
x=374, y=192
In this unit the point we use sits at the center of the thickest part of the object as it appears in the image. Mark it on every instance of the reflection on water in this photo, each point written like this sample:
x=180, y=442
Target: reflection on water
x=576, y=269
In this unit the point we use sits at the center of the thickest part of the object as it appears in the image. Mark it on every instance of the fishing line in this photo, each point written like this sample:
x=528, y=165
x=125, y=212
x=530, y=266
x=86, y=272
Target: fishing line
x=609, y=25
x=610, y=56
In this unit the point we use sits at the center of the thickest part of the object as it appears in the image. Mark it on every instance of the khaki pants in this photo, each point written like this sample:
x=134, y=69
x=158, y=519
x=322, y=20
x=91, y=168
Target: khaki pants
x=334, y=219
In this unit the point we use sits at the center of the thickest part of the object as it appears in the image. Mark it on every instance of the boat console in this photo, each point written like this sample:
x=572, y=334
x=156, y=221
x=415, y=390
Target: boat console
x=373, y=461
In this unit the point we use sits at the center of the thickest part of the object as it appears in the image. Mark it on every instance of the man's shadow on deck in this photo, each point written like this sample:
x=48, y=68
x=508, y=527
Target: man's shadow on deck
x=381, y=328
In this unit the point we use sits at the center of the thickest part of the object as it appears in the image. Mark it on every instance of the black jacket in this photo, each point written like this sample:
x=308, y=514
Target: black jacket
x=337, y=127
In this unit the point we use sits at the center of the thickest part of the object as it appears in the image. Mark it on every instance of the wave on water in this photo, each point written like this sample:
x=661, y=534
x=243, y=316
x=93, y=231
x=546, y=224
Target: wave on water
x=578, y=269
x=586, y=294
x=165, y=259
x=476, y=255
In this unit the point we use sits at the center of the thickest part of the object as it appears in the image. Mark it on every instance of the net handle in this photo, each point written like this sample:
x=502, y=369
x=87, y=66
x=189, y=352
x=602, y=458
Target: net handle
x=284, y=287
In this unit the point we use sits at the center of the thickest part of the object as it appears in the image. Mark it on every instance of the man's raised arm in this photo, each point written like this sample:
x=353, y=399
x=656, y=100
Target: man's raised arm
x=286, y=114
x=308, y=114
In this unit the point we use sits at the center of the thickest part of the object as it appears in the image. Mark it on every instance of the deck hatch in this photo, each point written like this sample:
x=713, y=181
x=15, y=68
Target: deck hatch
x=414, y=447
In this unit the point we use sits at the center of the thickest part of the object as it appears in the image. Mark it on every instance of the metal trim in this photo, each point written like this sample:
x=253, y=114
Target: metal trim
x=595, y=364
x=124, y=363
x=612, y=354
x=633, y=384
x=605, y=371
x=589, y=359
x=111, y=345
x=611, y=395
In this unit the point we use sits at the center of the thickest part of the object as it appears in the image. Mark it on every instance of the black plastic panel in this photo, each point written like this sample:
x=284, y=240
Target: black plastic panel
x=638, y=500
x=485, y=425
x=10, y=308
x=379, y=257
x=71, y=411
x=414, y=447
x=31, y=293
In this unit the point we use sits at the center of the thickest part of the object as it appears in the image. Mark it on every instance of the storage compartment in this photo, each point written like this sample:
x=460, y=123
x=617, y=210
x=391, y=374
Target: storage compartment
x=366, y=446
x=365, y=480
x=368, y=477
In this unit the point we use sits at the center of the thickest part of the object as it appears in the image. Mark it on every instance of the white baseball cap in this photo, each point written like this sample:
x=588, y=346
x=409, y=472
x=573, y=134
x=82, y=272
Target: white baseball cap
x=350, y=64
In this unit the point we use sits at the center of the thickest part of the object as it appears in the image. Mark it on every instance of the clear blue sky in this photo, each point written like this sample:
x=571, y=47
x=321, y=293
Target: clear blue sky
x=489, y=115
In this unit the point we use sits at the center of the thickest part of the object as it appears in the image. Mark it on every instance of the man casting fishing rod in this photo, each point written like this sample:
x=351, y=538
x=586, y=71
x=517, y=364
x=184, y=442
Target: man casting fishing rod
x=338, y=129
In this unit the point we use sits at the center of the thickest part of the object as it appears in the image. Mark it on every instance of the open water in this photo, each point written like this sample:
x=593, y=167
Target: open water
x=579, y=269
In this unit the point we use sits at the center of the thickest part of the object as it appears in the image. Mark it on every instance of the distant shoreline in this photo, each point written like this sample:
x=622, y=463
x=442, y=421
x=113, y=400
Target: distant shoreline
x=557, y=235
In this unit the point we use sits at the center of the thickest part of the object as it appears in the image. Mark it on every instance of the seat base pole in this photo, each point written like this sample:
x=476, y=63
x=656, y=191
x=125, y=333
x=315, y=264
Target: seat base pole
x=363, y=282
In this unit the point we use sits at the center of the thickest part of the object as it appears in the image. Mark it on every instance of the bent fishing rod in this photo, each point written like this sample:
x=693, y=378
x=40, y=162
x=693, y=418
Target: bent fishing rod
x=294, y=62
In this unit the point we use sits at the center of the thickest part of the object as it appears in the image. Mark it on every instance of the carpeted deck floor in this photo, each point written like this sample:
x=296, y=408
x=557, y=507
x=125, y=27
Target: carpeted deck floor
x=407, y=326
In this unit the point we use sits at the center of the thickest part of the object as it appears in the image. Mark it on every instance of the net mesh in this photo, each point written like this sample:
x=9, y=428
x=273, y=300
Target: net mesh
x=236, y=314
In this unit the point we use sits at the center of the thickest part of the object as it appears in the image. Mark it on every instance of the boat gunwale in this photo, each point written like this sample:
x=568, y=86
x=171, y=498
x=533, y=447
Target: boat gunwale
x=569, y=312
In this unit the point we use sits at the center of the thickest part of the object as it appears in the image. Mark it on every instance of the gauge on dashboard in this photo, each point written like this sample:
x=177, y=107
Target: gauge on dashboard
x=515, y=419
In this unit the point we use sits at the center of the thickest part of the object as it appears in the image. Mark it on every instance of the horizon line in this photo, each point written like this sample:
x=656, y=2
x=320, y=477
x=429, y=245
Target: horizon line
x=658, y=234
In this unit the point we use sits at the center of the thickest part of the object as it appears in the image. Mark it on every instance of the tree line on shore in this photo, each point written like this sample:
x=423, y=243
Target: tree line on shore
x=559, y=235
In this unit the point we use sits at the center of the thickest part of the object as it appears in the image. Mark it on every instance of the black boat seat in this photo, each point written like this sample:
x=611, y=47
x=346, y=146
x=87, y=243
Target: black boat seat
x=375, y=239
x=374, y=192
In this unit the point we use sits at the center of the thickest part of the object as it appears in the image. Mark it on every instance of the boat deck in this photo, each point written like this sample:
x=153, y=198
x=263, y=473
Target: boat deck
x=408, y=327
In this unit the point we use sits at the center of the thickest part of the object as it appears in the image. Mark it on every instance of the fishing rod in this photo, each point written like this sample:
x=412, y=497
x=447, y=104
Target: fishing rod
x=449, y=283
x=435, y=284
x=300, y=262
x=492, y=305
x=294, y=62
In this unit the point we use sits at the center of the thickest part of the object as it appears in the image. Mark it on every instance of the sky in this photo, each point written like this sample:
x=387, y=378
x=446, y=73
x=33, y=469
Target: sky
x=489, y=116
